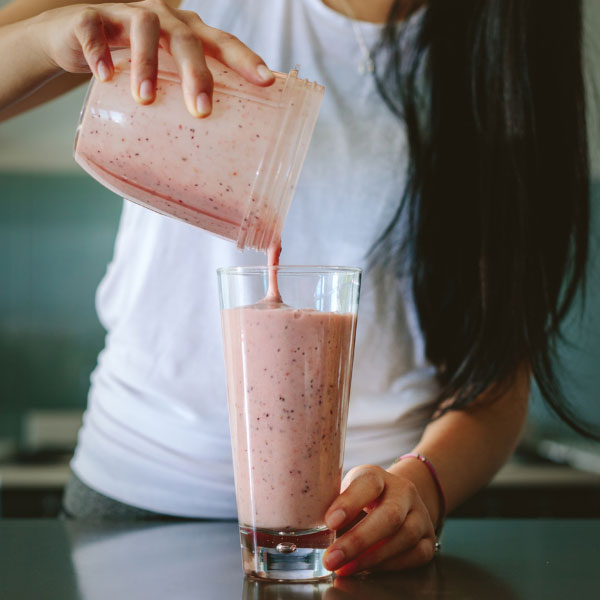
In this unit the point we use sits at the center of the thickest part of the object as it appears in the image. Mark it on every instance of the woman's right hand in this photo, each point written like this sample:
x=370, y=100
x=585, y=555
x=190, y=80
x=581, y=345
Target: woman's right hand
x=77, y=39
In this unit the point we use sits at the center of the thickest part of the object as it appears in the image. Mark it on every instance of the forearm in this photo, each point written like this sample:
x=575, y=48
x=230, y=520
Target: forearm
x=26, y=66
x=32, y=90
x=468, y=447
x=56, y=87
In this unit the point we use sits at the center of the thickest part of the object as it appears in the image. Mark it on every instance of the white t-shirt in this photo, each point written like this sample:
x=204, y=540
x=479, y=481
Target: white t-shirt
x=156, y=432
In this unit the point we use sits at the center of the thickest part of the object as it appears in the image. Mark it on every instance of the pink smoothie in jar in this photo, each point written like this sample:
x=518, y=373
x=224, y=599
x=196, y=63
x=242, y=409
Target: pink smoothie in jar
x=232, y=173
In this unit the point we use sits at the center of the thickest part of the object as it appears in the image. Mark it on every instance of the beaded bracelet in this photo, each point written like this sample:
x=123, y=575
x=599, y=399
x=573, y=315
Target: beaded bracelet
x=438, y=485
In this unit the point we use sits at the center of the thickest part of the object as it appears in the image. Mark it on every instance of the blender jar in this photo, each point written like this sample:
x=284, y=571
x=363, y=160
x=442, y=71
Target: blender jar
x=232, y=173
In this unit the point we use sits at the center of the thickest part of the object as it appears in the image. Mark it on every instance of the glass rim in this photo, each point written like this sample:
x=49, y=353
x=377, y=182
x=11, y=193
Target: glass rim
x=289, y=269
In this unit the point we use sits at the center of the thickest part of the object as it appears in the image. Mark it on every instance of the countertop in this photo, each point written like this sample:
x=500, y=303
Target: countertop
x=480, y=558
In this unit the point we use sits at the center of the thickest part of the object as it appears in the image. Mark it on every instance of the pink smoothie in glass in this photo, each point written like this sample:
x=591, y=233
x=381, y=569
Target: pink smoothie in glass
x=288, y=380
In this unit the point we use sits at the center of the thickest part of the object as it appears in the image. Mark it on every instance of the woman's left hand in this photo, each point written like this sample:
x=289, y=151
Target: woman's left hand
x=397, y=532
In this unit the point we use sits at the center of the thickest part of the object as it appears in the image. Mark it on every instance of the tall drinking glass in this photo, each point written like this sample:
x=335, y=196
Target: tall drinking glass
x=289, y=367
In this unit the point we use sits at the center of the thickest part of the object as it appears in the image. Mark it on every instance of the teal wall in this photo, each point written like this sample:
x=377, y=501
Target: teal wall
x=579, y=351
x=57, y=228
x=56, y=238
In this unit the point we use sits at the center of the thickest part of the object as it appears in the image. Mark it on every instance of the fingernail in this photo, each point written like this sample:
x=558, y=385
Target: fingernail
x=334, y=560
x=103, y=71
x=146, y=90
x=336, y=518
x=264, y=73
x=203, y=104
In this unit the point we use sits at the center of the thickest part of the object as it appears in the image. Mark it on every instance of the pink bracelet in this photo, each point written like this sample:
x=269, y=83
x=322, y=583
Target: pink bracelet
x=438, y=485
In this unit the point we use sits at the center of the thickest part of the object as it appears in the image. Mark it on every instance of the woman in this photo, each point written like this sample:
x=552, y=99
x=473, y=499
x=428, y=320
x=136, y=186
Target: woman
x=432, y=173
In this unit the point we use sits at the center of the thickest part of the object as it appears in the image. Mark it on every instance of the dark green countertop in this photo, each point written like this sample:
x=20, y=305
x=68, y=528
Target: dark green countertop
x=480, y=559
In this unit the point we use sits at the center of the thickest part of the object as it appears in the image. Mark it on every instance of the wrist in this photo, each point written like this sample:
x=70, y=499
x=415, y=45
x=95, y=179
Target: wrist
x=40, y=38
x=28, y=67
x=425, y=479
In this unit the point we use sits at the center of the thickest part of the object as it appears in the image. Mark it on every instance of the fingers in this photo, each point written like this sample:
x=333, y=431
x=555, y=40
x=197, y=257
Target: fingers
x=232, y=52
x=196, y=79
x=375, y=538
x=413, y=543
x=375, y=527
x=153, y=22
x=365, y=485
x=145, y=25
x=397, y=527
x=89, y=31
x=144, y=35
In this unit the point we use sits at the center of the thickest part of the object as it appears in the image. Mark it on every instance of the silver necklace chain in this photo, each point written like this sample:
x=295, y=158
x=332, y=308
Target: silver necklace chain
x=367, y=64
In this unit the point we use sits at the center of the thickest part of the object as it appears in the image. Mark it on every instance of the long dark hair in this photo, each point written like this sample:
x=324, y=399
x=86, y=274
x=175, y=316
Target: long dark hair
x=493, y=224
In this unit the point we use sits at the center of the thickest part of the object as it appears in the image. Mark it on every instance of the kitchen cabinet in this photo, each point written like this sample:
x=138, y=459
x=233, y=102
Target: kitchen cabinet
x=519, y=490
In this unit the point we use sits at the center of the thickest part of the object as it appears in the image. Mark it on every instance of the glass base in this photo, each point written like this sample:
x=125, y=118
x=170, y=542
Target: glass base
x=285, y=555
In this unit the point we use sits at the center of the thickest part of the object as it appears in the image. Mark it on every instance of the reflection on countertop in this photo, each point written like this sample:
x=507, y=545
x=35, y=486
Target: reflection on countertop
x=447, y=577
